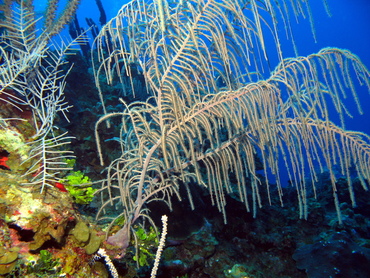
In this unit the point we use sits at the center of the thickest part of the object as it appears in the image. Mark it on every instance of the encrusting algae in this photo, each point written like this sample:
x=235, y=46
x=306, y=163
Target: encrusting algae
x=31, y=222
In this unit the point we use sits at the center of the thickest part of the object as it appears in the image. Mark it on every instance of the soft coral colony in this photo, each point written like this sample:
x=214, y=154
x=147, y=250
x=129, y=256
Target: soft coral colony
x=206, y=117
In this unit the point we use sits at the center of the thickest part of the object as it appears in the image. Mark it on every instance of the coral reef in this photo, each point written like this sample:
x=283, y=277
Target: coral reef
x=32, y=223
x=52, y=235
x=42, y=234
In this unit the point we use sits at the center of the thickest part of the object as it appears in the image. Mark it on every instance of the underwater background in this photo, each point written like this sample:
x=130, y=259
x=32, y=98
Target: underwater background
x=199, y=244
x=347, y=27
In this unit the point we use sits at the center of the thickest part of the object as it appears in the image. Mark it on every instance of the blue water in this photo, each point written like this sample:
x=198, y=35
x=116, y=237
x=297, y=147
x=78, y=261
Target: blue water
x=348, y=27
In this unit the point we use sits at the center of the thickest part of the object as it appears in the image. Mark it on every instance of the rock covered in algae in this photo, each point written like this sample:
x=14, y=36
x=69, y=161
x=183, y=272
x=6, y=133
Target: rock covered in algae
x=8, y=259
x=81, y=232
x=94, y=243
x=31, y=222
x=43, y=217
x=86, y=237
x=15, y=145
